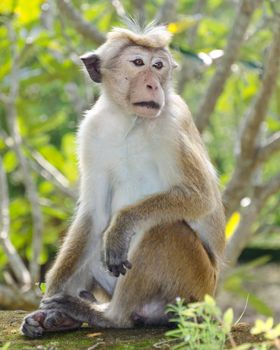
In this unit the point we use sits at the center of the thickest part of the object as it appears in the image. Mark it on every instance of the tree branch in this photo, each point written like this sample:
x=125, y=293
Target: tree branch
x=264, y=191
x=272, y=146
x=31, y=192
x=241, y=236
x=244, y=231
x=167, y=12
x=257, y=113
x=247, y=155
x=86, y=29
x=15, y=261
x=50, y=173
x=18, y=300
x=223, y=71
x=118, y=6
x=197, y=10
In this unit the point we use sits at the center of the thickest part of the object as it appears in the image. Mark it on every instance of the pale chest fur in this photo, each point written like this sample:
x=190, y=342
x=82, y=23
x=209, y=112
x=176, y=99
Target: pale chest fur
x=124, y=161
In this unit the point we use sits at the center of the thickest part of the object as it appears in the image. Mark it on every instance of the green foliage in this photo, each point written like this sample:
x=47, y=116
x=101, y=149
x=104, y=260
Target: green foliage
x=200, y=325
x=53, y=93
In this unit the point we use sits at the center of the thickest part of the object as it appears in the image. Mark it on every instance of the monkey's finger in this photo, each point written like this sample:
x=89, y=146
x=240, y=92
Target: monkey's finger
x=114, y=270
x=122, y=269
x=127, y=264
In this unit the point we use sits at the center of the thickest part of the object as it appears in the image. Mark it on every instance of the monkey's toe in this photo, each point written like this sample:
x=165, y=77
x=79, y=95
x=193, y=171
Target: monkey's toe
x=56, y=321
x=32, y=324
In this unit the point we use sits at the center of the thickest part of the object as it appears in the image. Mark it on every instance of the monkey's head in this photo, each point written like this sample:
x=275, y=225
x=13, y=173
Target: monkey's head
x=135, y=69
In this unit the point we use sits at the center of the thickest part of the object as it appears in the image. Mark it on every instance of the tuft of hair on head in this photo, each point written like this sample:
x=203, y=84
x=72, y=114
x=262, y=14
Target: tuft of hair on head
x=152, y=36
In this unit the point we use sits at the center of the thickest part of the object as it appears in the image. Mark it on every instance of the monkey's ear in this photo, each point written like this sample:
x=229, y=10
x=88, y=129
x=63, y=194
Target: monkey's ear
x=92, y=64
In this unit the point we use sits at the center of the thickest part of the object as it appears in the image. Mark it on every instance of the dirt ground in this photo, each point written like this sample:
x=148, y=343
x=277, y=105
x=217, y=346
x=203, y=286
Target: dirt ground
x=89, y=338
x=266, y=286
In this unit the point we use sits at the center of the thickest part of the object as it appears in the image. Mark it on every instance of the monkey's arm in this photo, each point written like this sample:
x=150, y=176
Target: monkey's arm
x=192, y=200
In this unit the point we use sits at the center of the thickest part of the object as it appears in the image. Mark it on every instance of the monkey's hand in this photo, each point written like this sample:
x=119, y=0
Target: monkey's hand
x=116, y=241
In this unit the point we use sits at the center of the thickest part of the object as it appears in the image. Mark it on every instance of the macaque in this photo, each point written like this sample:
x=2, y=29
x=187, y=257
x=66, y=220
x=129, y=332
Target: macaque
x=149, y=226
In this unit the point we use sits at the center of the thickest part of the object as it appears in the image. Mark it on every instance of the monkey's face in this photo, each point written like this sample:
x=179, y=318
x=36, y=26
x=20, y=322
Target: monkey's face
x=137, y=80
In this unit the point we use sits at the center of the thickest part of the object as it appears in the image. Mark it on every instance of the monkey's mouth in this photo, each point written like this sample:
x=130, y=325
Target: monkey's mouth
x=147, y=104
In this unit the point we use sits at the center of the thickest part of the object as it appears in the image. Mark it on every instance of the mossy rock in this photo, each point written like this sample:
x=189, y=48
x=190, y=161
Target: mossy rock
x=89, y=338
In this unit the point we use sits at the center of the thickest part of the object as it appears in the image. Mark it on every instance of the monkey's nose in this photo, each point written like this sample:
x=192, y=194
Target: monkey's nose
x=152, y=87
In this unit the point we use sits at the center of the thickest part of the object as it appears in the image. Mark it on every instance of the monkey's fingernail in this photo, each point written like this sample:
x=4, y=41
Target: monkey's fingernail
x=114, y=270
x=122, y=270
x=127, y=264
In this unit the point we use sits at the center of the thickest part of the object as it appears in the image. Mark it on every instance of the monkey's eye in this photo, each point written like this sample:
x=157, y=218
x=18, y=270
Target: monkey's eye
x=158, y=65
x=138, y=62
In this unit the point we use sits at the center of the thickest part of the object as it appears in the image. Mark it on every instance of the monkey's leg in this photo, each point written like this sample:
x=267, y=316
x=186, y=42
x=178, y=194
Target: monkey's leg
x=170, y=261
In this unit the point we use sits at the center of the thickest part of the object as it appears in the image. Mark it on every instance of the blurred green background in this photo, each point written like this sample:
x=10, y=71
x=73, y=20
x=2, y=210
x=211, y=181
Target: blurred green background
x=53, y=93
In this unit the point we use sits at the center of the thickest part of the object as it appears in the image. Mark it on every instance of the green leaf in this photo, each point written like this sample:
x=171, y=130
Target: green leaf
x=259, y=305
x=6, y=346
x=10, y=161
x=28, y=11
x=209, y=300
x=43, y=287
x=227, y=320
x=58, y=213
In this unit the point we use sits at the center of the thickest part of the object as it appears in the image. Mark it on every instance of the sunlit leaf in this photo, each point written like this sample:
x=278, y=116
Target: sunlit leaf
x=28, y=11
x=209, y=300
x=228, y=320
x=262, y=326
x=10, y=161
x=183, y=24
x=273, y=333
x=232, y=224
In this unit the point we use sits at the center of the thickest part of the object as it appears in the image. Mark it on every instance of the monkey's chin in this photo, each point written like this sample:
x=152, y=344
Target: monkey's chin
x=145, y=112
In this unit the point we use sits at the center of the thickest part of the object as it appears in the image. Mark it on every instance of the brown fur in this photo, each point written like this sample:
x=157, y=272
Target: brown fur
x=179, y=231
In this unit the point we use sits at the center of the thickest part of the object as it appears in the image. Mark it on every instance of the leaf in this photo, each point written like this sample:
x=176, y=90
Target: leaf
x=273, y=333
x=10, y=161
x=43, y=287
x=228, y=320
x=6, y=346
x=209, y=300
x=7, y=6
x=183, y=24
x=28, y=11
x=259, y=305
x=55, y=212
x=232, y=224
x=69, y=145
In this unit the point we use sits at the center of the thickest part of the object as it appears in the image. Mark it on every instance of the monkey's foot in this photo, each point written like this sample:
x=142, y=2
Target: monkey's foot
x=67, y=304
x=43, y=321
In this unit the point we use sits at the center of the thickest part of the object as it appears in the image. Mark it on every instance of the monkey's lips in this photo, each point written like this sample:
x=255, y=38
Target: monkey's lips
x=147, y=104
